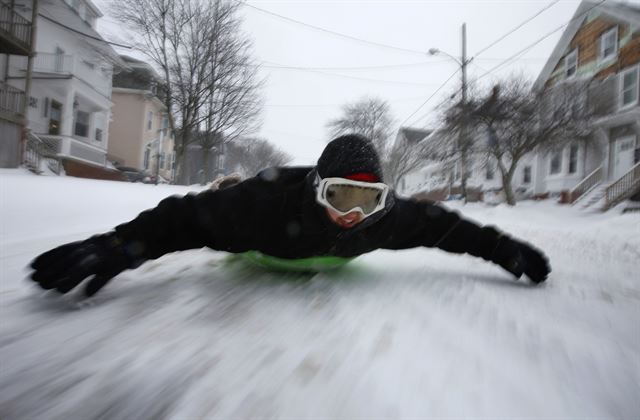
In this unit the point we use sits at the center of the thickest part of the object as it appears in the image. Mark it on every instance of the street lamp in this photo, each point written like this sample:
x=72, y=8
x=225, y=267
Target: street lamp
x=436, y=51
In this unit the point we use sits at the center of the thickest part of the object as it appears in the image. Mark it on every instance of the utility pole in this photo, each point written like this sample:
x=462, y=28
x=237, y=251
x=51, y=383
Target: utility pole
x=463, y=143
x=28, y=81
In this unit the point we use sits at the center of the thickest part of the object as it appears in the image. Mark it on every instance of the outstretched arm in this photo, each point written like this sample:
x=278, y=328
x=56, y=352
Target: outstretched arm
x=177, y=223
x=435, y=226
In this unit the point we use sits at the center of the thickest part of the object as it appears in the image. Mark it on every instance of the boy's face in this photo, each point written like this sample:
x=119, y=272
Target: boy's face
x=347, y=221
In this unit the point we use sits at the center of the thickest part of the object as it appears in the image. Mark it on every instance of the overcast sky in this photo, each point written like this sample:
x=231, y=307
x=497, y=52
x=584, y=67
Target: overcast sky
x=300, y=102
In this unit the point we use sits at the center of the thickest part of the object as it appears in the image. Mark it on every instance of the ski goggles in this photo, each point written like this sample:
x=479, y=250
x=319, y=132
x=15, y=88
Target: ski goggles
x=345, y=195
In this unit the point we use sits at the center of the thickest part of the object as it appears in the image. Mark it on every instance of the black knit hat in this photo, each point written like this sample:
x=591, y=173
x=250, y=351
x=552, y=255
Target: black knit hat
x=349, y=155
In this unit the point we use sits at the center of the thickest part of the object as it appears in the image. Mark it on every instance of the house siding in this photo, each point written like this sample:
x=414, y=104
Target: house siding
x=126, y=129
x=587, y=42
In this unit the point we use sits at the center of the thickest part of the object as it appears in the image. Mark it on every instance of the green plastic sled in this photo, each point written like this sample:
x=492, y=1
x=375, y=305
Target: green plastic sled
x=299, y=265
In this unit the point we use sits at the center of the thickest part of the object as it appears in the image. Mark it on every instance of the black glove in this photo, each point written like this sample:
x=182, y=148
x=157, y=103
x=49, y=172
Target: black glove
x=100, y=257
x=520, y=258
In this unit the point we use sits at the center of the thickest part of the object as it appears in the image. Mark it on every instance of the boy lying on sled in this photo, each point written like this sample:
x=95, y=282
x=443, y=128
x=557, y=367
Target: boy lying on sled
x=288, y=217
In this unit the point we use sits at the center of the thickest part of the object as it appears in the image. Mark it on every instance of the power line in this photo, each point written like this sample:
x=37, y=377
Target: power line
x=83, y=33
x=429, y=98
x=396, y=82
x=517, y=27
x=515, y=56
x=450, y=97
x=415, y=98
x=338, y=34
x=388, y=66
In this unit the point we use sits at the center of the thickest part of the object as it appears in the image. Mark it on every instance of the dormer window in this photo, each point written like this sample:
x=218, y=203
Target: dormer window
x=571, y=63
x=608, y=44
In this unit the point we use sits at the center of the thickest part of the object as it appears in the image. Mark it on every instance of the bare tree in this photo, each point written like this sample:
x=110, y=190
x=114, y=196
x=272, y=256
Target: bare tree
x=210, y=82
x=518, y=121
x=404, y=157
x=249, y=156
x=370, y=117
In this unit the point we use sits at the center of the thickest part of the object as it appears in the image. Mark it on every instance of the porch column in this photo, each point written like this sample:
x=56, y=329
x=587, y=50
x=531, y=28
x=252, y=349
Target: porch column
x=92, y=126
x=106, y=119
x=603, y=140
x=66, y=125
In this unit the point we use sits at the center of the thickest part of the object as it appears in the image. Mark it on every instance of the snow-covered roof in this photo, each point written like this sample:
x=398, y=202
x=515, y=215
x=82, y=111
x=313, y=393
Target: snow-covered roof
x=415, y=135
x=622, y=12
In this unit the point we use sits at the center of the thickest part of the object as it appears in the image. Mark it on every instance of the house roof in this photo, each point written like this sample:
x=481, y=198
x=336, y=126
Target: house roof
x=618, y=11
x=94, y=8
x=134, y=63
x=414, y=135
x=137, y=75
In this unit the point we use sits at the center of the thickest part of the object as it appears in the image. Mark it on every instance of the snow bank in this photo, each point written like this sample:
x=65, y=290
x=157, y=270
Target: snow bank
x=408, y=334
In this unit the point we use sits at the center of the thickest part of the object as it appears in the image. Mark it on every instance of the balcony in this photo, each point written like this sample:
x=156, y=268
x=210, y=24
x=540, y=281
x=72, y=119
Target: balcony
x=15, y=32
x=67, y=66
x=11, y=103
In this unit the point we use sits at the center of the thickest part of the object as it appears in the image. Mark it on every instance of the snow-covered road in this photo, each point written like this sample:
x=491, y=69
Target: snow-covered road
x=410, y=334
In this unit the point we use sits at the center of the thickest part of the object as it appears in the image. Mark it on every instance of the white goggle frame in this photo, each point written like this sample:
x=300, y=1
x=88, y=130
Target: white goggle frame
x=323, y=184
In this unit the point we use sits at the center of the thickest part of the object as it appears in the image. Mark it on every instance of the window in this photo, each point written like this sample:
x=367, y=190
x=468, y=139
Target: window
x=149, y=120
x=98, y=122
x=573, y=159
x=526, y=175
x=147, y=156
x=55, y=116
x=59, y=60
x=82, y=10
x=45, y=107
x=608, y=44
x=81, y=128
x=556, y=163
x=489, y=173
x=173, y=161
x=571, y=63
x=161, y=161
x=629, y=87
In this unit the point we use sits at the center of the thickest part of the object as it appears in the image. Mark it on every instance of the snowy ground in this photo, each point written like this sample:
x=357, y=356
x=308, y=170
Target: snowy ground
x=410, y=334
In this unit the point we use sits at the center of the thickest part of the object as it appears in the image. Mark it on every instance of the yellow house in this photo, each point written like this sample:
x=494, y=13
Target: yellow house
x=139, y=135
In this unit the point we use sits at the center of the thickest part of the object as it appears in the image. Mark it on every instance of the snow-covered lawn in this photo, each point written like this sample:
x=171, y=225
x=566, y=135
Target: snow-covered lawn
x=409, y=334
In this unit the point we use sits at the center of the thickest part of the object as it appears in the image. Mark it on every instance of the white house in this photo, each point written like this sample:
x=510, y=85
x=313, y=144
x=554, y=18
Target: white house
x=601, y=50
x=439, y=180
x=70, y=101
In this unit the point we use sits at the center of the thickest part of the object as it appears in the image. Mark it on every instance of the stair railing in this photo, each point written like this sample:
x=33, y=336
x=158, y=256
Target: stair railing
x=586, y=184
x=37, y=150
x=623, y=188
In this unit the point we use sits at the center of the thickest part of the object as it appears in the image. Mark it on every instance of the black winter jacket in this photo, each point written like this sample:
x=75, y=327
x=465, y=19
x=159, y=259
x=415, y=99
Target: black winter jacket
x=276, y=213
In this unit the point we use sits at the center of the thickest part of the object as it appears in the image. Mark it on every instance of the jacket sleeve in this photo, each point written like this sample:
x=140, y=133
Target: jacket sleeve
x=424, y=223
x=216, y=219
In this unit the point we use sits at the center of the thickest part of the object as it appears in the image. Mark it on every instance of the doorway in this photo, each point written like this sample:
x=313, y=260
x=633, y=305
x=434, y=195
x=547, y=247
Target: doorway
x=623, y=158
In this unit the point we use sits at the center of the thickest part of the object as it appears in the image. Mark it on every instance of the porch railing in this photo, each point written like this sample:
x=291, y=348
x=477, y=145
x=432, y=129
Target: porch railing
x=623, y=188
x=15, y=25
x=586, y=184
x=11, y=100
x=37, y=151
